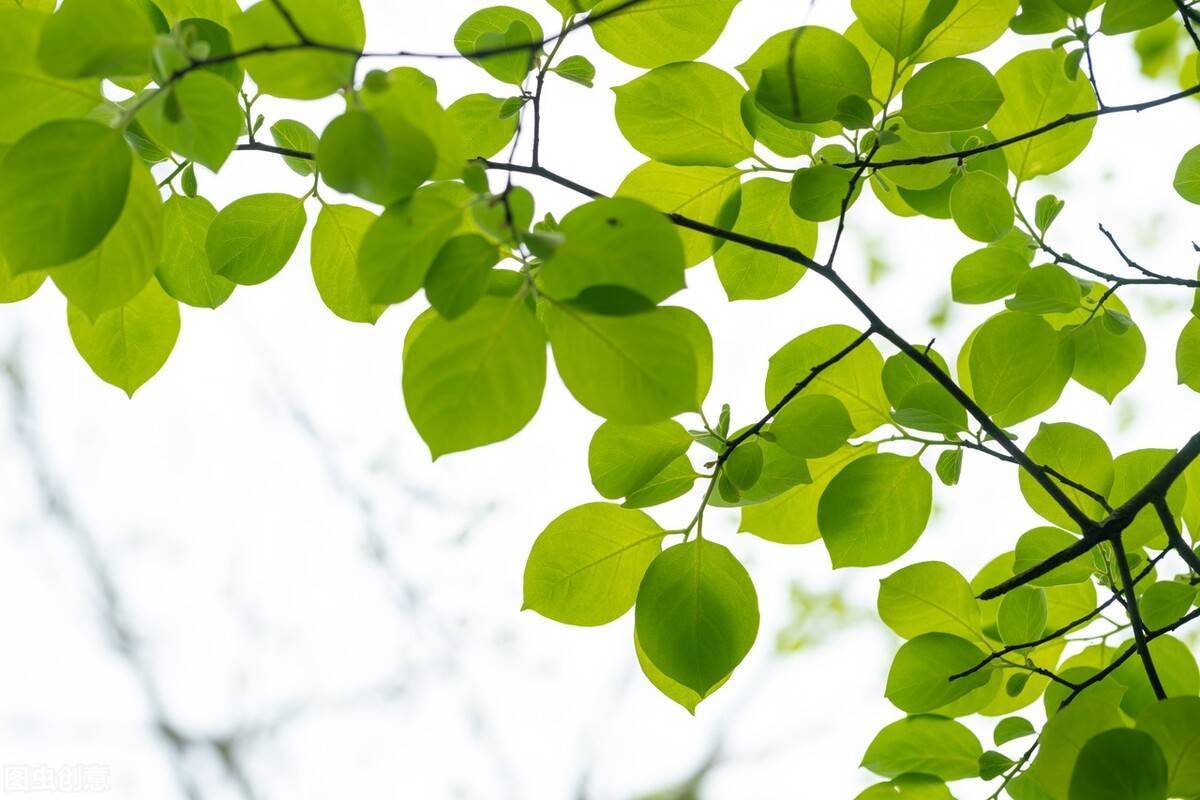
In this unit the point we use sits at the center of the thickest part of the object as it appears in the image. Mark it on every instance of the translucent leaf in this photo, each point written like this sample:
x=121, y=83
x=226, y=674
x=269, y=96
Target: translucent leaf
x=1080, y=455
x=687, y=114
x=205, y=123
x=952, y=94
x=126, y=346
x=615, y=242
x=749, y=274
x=301, y=74
x=62, y=189
x=697, y=614
x=477, y=379
x=97, y=38
x=336, y=240
x=586, y=566
x=1120, y=765
x=634, y=370
x=496, y=28
x=253, y=237
x=925, y=744
x=656, y=32
x=929, y=597
x=624, y=458
x=400, y=246
x=874, y=510
x=183, y=269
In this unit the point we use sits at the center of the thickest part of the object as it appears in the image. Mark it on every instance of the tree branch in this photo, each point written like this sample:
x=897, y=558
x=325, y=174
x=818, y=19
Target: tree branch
x=1135, y=619
x=1066, y=119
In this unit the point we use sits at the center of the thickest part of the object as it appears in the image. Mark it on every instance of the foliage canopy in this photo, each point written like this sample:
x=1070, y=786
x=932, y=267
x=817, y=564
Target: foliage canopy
x=116, y=111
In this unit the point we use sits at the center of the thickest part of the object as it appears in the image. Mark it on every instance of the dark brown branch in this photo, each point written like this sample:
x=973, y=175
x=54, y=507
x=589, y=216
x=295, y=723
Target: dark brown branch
x=1126, y=654
x=1175, y=538
x=1116, y=522
x=1065, y=629
x=1136, y=621
x=1066, y=119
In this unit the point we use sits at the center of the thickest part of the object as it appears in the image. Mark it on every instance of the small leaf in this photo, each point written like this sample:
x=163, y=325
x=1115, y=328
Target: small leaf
x=576, y=69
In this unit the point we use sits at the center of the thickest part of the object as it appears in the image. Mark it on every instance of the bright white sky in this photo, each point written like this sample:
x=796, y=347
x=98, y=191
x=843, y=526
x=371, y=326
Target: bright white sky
x=235, y=501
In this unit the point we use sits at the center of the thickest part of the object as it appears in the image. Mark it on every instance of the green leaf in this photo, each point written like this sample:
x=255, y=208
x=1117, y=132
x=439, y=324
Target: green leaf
x=479, y=122
x=790, y=516
x=497, y=28
x=1187, y=355
x=952, y=94
x=62, y=189
x=874, y=510
x=117, y=269
x=855, y=379
x=925, y=744
x=803, y=75
x=198, y=118
x=687, y=114
x=676, y=480
x=656, y=32
x=634, y=370
x=673, y=689
x=401, y=245
x=1018, y=366
x=1010, y=729
x=1173, y=724
x=1125, y=16
x=16, y=288
x=949, y=466
x=407, y=98
x=781, y=471
x=358, y=155
x=615, y=242
x=905, y=142
x=624, y=458
x=986, y=275
x=981, y=207
x=1187, y=176
x=1047, y=210
x=477, y=379
x=749, y=274
x=253, y=237
x=1132, y=471
x=697, y=613
x=1036, y=92
x=183, y=269
x=1177, y=669
x=1080, y=455
x=818, y=192
x=1165, y=602
x=914, y=786
x=459, y=274
x=812, y=425
x=706, y=194
x=297, y=136
x=744, y=465
x=1038, y=544
x=336, y=240
x=586, y=566
x=219, y=10
x=300, y=74
x=993, y=764
x=576, y=69
x=1120, y=764
x=930, y=407
x=1046, y=289
x=99, y=38
x=787, y=139
x=212, y=35
x=969, y=26
x=929, y=597
x=126, y=346
x=900, y=28
x=1022, y=615
x=29, y=95
x=919, y=679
